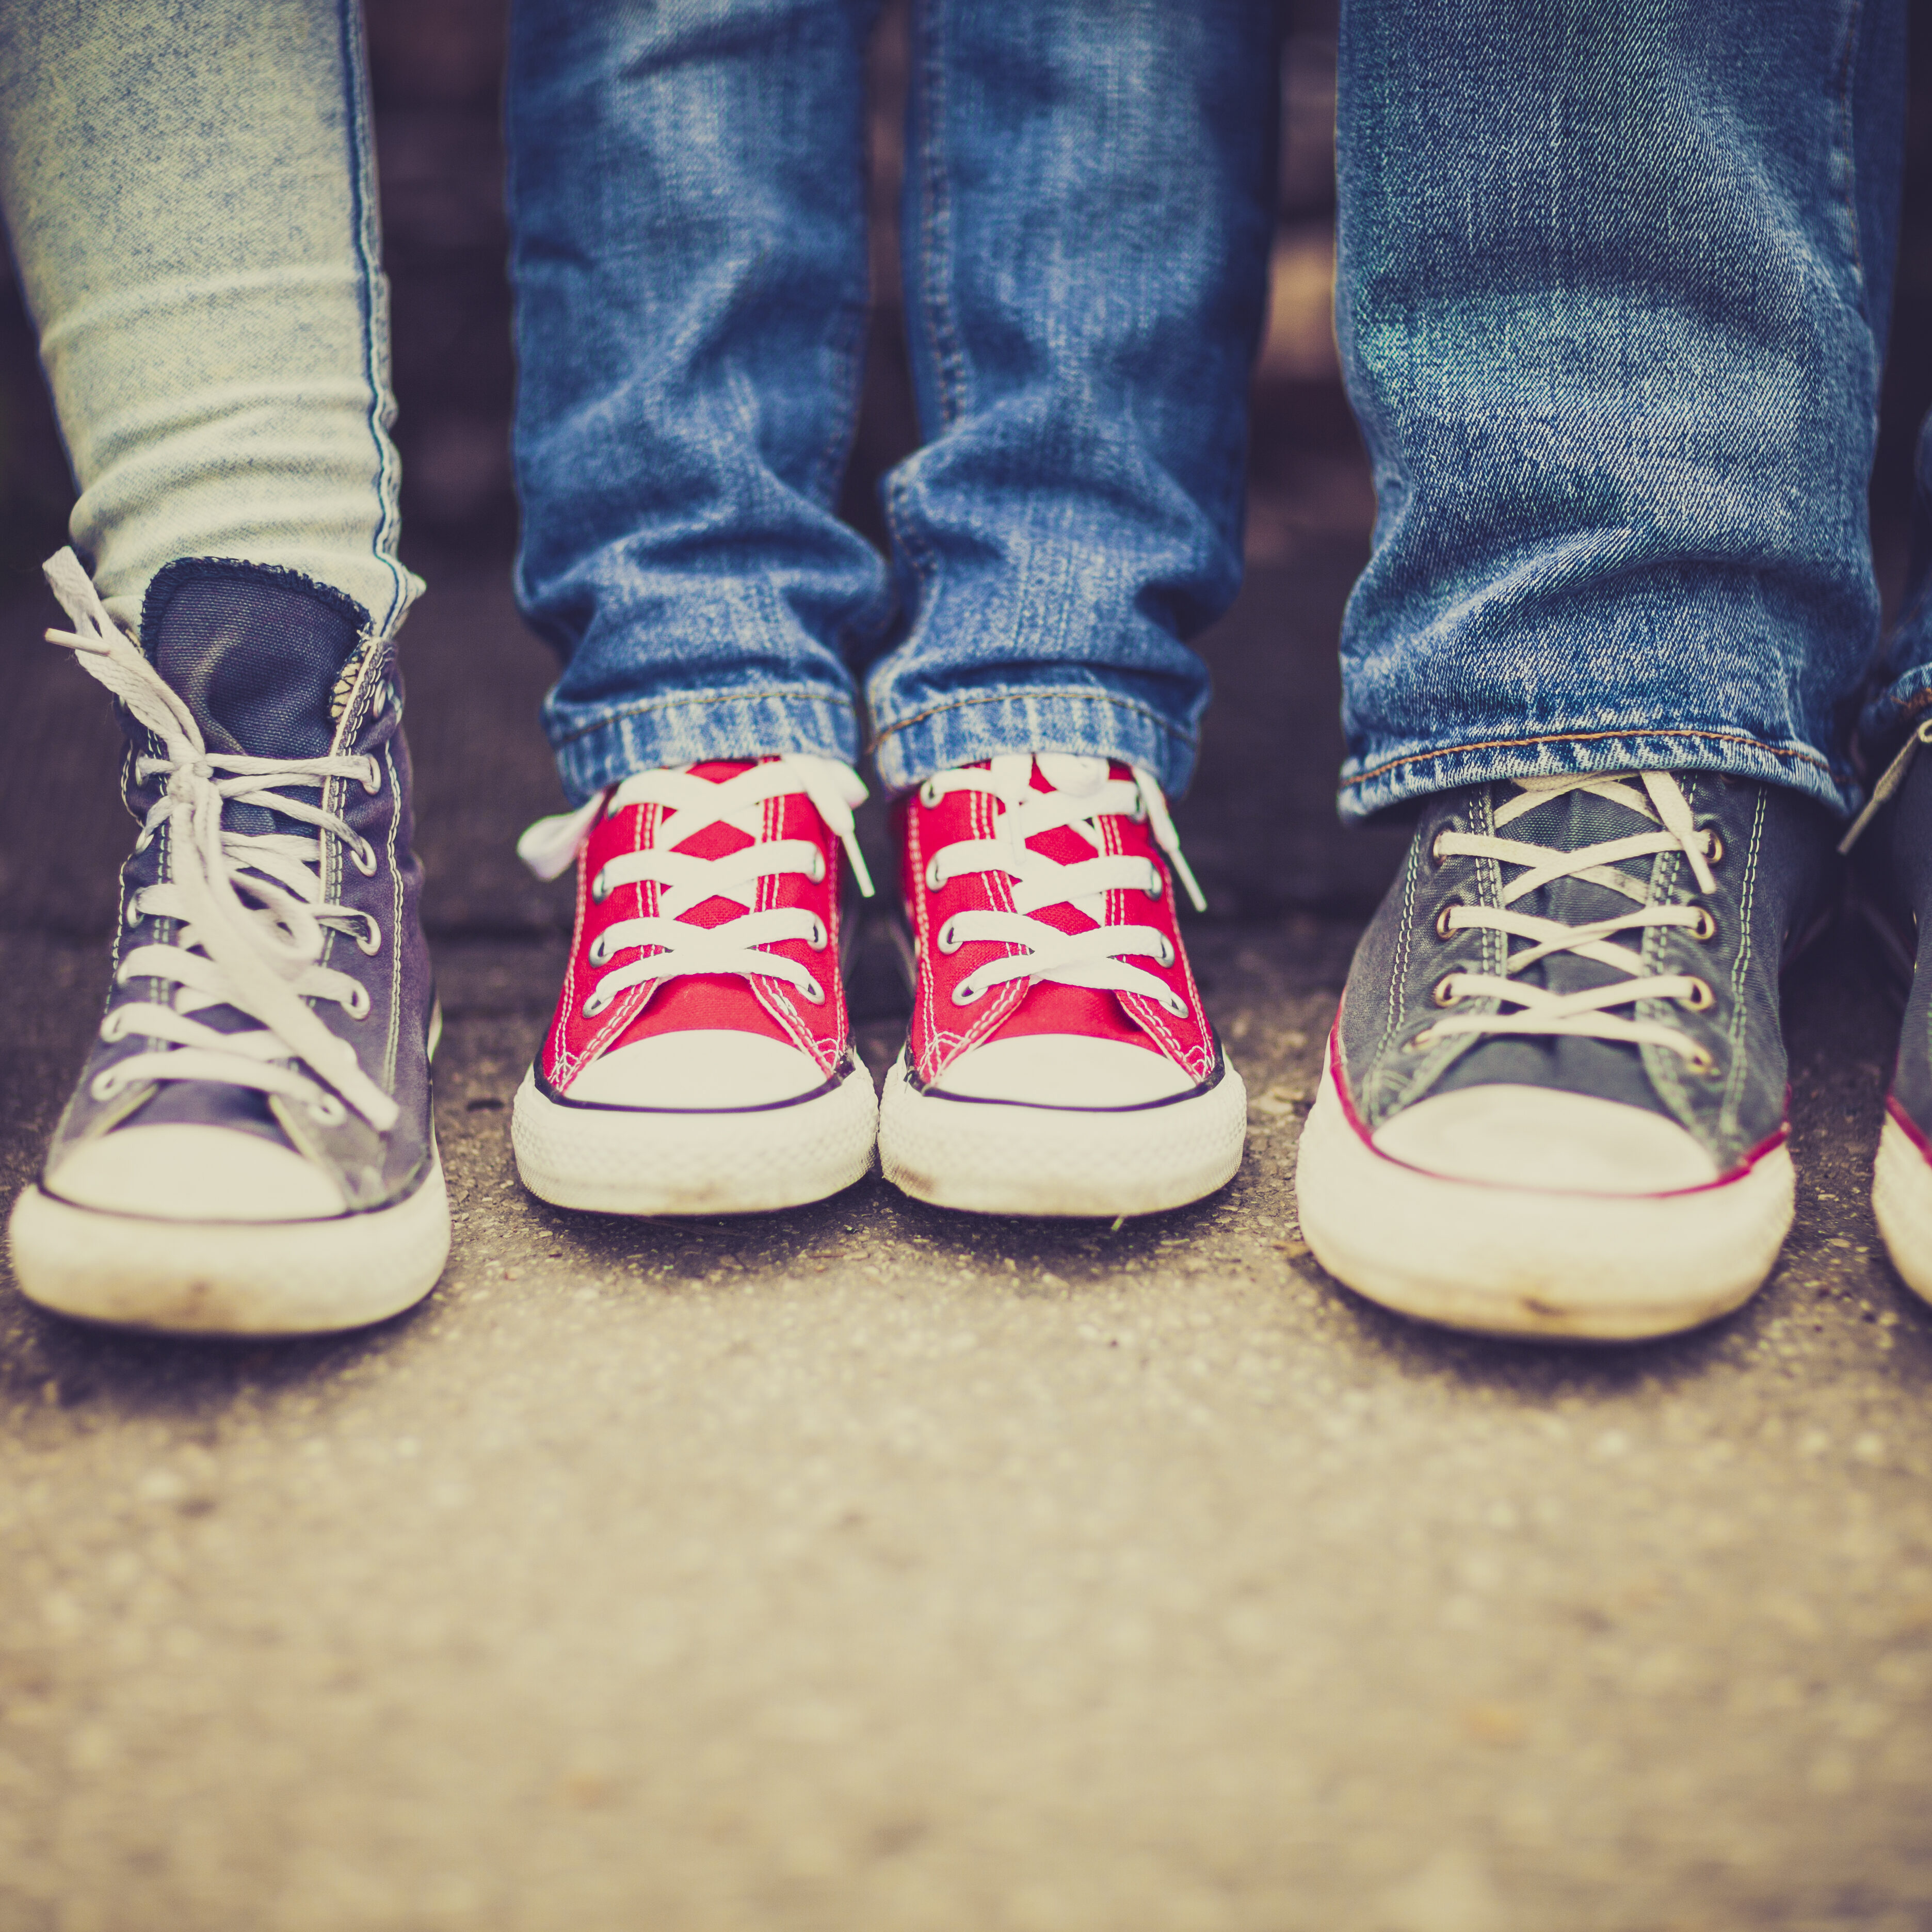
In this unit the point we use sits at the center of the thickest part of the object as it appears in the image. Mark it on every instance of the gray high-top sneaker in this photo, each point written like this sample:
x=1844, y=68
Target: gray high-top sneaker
x=1554, y=1103
x=1892, y=888
x=249, y=1151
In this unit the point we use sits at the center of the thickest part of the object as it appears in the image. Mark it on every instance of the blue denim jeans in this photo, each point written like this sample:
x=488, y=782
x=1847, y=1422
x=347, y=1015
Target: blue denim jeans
x=1614, y=276
x=188, y=189
x=1085, y=228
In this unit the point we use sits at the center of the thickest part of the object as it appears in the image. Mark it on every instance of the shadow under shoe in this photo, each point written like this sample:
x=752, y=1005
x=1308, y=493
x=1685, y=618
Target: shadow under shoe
x=1555, y=1100
x=249, y=1150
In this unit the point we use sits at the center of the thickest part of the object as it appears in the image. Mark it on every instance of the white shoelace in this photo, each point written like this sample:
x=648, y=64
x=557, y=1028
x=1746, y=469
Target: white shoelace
x=252, y=922
x=666, y=947
x=1084, y=794
x=1539, y=1011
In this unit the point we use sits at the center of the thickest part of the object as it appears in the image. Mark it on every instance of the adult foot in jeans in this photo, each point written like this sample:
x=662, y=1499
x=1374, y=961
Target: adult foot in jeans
x=1554, y=1103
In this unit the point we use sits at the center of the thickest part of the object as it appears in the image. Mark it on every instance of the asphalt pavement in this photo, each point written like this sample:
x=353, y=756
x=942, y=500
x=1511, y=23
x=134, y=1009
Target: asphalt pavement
x=873, y=1569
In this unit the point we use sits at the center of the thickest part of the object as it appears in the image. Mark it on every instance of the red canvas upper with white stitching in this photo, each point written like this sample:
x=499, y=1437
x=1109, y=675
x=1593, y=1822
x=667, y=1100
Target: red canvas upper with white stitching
x=589, y=1022
x=1167, y=1019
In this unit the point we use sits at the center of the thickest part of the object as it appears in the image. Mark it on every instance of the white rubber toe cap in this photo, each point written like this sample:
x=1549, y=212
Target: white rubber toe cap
x=181, y=1172
x=1063, y=1070
x=710, y=1069
x=1544, y=1137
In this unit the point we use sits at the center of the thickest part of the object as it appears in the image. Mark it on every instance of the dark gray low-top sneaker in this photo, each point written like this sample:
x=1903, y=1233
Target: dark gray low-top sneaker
x=1555, y=1098
x=249, y=1151
x=1891, y=851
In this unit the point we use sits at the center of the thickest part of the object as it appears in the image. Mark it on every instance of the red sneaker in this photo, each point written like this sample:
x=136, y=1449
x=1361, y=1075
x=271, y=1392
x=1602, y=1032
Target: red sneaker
x=1059, y=1061
x=700, y=1062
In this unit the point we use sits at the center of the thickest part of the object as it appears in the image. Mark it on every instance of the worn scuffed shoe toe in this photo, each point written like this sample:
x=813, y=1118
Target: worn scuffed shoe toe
x=1554, y=1102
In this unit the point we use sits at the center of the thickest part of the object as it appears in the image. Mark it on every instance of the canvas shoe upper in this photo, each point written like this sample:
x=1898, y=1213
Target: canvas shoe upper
x=1059, y=1060
x=249, y=1147
x=1554, y=1101
x=701, y=1058
x=1891, y=845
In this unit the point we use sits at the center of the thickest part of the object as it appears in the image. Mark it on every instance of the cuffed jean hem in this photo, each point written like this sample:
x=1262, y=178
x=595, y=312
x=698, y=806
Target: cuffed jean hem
x=1422, y=772
x=692, y=726
x=1901, y=703
x=979, y=725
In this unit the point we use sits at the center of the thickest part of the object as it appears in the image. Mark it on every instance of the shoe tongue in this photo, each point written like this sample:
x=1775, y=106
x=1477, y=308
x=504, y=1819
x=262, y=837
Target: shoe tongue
x=254, y=651
x=1568, y=823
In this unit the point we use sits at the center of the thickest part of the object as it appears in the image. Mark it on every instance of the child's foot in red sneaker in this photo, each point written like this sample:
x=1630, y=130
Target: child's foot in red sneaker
x=700, y=1062
x=1059, y=1061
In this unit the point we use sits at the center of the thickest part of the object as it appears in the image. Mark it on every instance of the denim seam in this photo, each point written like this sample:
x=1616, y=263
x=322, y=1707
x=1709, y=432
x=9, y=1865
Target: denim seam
x=1909, y=701
x=1079, y=693
x=375, y=321
x=1848, y=153
x=1798, y=755
x=645, y=706
x=935, y=223
x=848, y=351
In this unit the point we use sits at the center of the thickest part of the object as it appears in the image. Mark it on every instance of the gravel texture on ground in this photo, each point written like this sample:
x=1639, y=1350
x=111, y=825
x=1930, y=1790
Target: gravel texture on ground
x=871, y=1569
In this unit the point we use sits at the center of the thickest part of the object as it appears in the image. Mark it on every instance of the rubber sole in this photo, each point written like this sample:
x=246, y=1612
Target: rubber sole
x=229, y=1277
x=1542, y=1265
x=1902, y=1200
x=622, y=1160
x=985, y=1158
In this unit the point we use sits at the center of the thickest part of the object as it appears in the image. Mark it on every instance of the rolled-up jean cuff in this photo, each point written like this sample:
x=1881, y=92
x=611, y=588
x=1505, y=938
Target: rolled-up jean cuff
x=979, y=725
x=1394, y=781
x=1902, y=702
x=690, y=727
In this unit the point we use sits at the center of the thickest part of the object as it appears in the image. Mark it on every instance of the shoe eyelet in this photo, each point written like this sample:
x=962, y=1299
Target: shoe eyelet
x=1164, y=957
x=1176, y=1007
x=325, y=1110
x=362, y=857
x=102, y=1087
x=947, y=939
x=1713, y=848
x=934, y=883
x=356, y=1003
x=816, y=875
x=1705, y=930
x=1700, y=999
x=813, y=992
x=929, y=793
x=1419, y=1042
x=1703, y=1064
x=1443, y=928
x=133, y=915
x=1137, y=812
x=372, y=783
x=967, y=994
x=370, y=943
x=600, y=888
x=1435, y=852
x=1443, y=994
x=595, y=1004
x=818, y=938
x=598, y=953
x=1156, y=887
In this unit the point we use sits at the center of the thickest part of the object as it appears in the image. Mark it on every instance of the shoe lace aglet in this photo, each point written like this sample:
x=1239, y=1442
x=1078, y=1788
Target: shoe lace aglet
x=1168, y=839
x=850, y=840
x=549, y=847
x=1889, y=781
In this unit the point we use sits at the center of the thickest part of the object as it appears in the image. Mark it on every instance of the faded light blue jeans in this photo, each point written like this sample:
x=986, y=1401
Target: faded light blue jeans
x=1084, y=234
x=1613, y=284
x=188, y=189
x=1615, y=276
